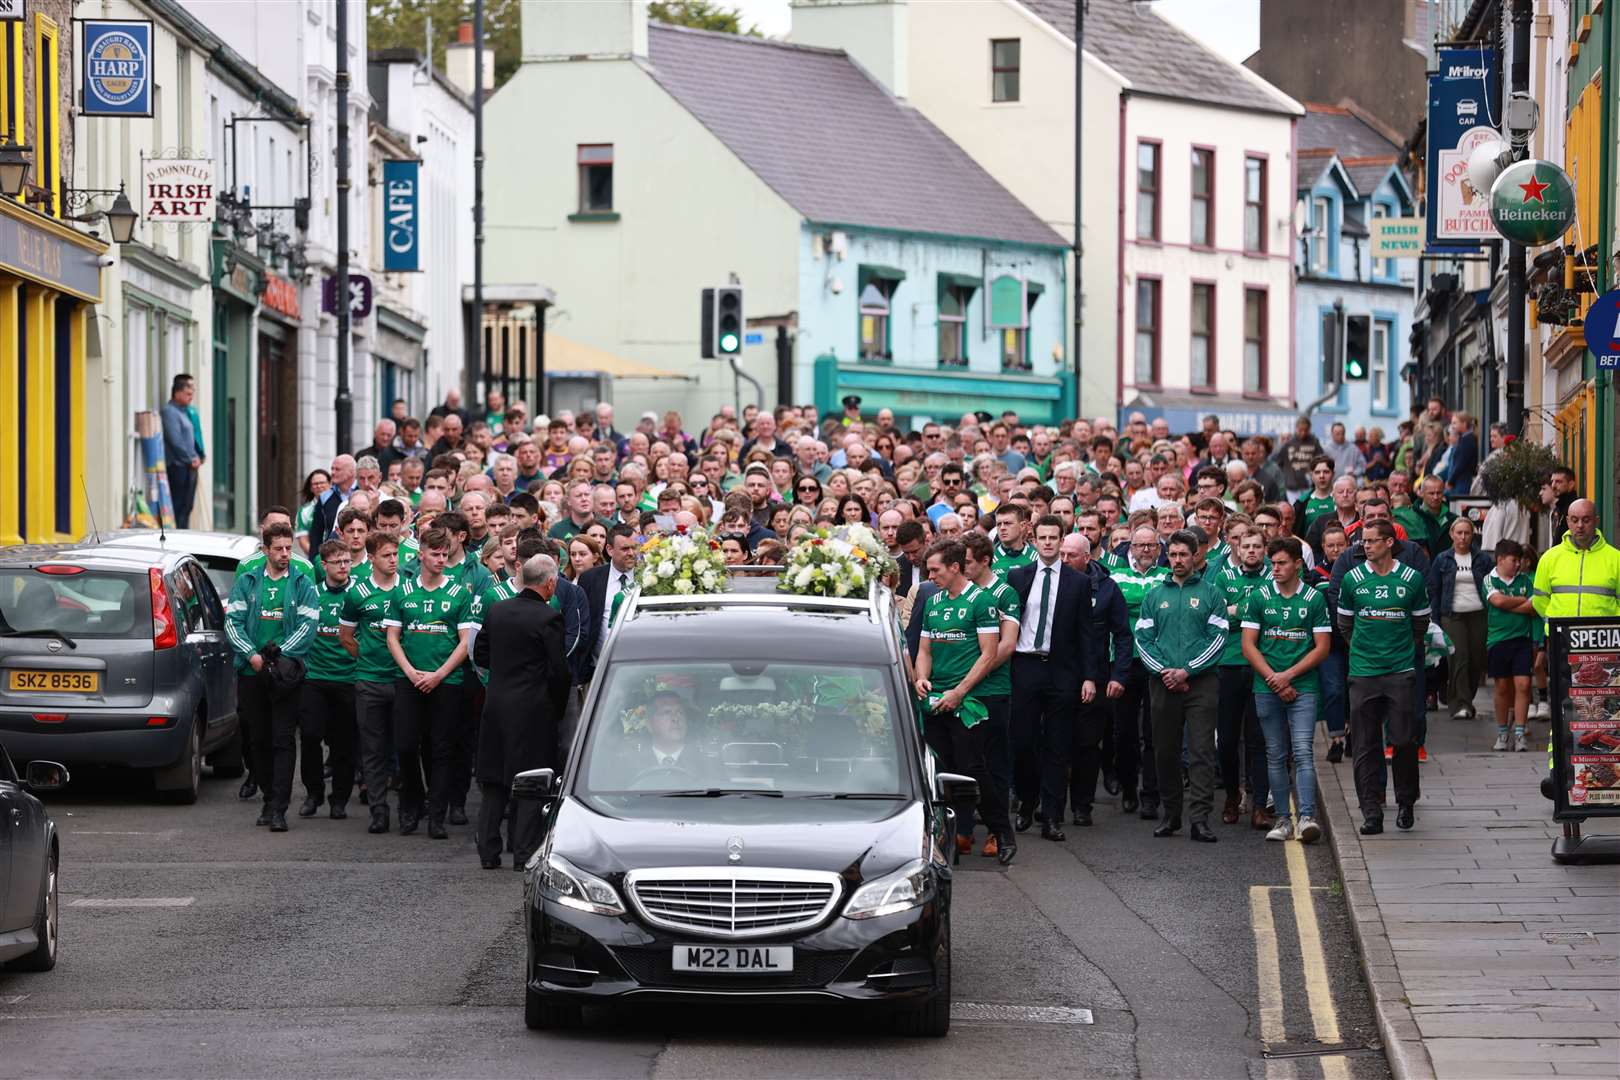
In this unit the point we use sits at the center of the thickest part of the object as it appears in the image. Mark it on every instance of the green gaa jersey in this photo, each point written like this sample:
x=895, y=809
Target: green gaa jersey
x=1318, y=506
x=470, y=574
x=305, y=520
x=1218, y=559
x=1288, y=627
x=367, y=607
x=497, y=591
x=299, y=565
x=1236, y=584
x=327, y=659
x=430, y=623
x=1383, y=606
x=1002, y=560
x=999, y=681
x=1133, y=586
x=273, y=599
x=952, y=626
x=1506, y=625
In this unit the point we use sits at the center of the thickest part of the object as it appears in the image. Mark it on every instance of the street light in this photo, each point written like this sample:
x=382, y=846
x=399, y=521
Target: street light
x=14, y=163
x=121, y=218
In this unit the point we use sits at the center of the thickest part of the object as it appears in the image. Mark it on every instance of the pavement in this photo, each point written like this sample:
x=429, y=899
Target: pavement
x=1484, y=957
x=195, y=945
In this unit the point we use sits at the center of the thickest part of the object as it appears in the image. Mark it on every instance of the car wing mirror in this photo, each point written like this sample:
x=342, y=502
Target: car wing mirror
x=534, y=784
x=954, y=787
x=46, y=776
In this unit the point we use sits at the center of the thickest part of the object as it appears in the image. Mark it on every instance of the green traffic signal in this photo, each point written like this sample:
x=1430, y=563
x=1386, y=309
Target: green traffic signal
x=728, y=343
x=1355, y=368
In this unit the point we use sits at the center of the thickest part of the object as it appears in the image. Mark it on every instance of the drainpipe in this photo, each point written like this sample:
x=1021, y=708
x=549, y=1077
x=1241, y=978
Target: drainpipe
x=345, y=401
x=1519, y=78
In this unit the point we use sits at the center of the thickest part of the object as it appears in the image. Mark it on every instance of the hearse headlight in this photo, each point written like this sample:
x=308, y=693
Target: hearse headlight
x=908, y=887
x=568, y=885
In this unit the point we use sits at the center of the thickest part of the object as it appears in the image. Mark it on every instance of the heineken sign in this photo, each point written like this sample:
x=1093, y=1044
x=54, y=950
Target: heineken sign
x=1532, y=202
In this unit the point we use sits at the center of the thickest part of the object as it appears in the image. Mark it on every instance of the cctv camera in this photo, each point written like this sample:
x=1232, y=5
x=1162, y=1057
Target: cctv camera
x=106, y=261
x=835, y=285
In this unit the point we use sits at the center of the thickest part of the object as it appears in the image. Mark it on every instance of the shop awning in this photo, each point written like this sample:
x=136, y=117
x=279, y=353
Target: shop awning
x=563, y=355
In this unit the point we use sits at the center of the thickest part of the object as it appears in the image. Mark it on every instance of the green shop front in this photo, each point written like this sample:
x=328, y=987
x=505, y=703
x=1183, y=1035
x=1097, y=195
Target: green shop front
x=940, y=394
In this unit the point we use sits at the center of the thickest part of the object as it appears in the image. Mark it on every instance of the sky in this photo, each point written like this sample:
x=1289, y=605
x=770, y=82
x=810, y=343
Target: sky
x=1230, y=27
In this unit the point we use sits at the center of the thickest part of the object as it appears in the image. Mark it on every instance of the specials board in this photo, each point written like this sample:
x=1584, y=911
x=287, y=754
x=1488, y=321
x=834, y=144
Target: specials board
x=1583, y=667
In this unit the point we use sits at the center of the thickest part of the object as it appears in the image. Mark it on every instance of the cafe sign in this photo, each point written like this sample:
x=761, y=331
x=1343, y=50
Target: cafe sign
x=177, y=190
x=1532, y=202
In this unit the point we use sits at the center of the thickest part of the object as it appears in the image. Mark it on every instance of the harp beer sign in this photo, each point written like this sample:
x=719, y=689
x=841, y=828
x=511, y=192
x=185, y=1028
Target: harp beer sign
x=116, y=59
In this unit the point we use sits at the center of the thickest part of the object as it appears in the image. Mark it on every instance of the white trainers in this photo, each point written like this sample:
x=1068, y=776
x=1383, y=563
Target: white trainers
x=1501, y=740
x=1540, y=710
x=1283, y=830
x=1520, y=743
x=1309, y=830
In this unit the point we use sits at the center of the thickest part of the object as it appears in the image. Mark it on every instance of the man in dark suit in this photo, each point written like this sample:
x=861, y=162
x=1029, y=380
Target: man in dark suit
x=664, y=758
x=602, y=584
x=1050, y=665
x=1464, y=456
x=1109, y=626
x=521, y=646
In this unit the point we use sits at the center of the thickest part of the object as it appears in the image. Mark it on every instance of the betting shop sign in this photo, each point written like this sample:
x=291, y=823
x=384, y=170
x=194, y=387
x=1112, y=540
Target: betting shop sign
x=177, y=190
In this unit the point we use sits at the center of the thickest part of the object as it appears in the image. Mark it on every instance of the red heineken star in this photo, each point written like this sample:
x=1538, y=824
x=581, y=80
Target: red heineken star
x=1533, y=189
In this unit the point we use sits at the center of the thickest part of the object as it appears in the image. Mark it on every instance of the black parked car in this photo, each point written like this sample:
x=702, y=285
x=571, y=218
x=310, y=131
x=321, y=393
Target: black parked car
x=29, y=857
x=748, y=814
x=112, y=656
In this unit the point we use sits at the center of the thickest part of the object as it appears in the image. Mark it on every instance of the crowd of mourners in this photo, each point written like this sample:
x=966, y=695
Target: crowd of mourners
x=1171, y=616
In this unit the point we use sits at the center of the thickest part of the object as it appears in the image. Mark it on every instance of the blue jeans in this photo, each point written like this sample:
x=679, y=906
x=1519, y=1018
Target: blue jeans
x=1332, y=673
x=1291, y=724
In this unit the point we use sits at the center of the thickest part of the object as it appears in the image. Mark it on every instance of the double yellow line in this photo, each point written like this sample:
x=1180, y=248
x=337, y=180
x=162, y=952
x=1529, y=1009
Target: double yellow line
x=1318, y=993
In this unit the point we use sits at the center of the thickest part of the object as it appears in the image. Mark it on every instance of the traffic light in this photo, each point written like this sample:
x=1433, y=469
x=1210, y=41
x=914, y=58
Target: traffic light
x=1357, y=347
x=722, y=333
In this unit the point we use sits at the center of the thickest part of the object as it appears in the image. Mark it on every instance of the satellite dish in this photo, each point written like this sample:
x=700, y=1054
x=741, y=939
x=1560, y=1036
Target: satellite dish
x=1301, y=214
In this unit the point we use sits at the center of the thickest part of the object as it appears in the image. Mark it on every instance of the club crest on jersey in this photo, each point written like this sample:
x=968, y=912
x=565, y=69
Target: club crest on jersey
x=1192, y=602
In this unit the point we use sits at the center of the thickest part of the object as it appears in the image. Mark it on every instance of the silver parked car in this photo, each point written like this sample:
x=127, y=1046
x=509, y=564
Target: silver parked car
x=29, y=860
x=117, y=656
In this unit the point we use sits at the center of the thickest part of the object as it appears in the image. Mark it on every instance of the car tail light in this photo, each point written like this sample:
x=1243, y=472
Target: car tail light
x=50, y=717
x=60, y=569
x=163, y=631
x=157, y=721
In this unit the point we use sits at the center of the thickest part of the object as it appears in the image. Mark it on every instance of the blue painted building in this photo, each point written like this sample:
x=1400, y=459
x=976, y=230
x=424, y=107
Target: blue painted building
x=932, y=326
x=1347, y=175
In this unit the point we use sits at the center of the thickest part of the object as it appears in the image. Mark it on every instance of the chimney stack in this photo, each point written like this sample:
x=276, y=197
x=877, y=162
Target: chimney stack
x=458, y=61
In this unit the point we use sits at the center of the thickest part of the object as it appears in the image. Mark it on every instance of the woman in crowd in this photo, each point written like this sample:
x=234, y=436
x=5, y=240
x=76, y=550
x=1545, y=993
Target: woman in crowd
x=583, y=553
x=1457, y=593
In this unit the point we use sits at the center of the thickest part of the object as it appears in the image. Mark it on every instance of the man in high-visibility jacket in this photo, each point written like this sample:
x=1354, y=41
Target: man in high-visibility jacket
x=1580, y=575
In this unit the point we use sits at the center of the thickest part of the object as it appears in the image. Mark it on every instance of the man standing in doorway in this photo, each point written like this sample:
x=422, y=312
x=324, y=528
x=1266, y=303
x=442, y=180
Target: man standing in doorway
x=180, y=452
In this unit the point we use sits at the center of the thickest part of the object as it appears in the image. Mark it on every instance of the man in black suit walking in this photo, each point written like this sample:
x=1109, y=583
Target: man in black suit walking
x=602, y=584
x=1050, y=680
x=521, y=646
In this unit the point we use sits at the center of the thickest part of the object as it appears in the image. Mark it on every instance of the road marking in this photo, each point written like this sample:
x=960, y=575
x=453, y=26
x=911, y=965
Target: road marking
x=95, y=832
x=1268, y=968
x=135, y=902
x=1018, y=1014
x=14, y=999
x=1318, y=991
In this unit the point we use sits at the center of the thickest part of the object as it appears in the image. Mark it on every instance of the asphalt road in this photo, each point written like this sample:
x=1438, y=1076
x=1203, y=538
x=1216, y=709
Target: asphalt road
x=329, y=952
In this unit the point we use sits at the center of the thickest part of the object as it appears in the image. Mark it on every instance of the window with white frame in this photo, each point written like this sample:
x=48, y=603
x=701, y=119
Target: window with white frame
x=1321, y=212
x=1380, y=267
x=1378, y=368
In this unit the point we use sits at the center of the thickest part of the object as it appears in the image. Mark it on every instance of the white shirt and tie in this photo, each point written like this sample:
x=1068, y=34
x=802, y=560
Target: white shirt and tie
x=618, y=580
x=1035, y=628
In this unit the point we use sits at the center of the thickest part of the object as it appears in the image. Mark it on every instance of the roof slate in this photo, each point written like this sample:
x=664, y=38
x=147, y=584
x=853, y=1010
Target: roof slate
x=1333, y=128
x=832, y=141
x=1157, y=56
